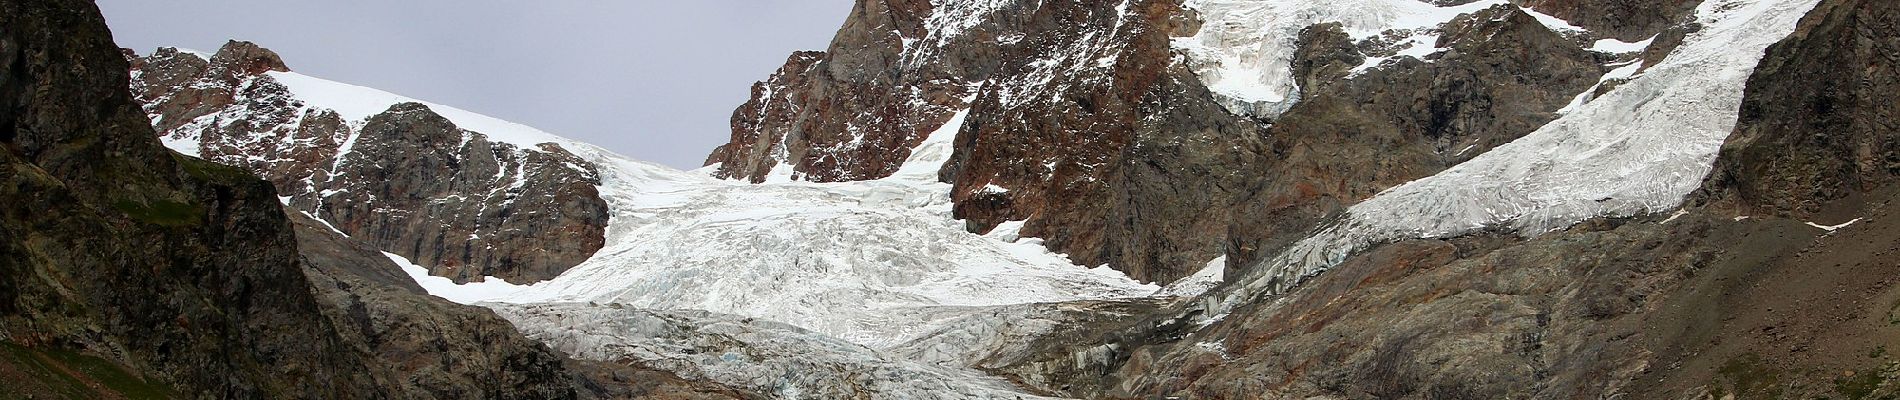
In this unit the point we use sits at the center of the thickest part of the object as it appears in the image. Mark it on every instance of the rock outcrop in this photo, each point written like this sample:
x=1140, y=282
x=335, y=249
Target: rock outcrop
x=426, y=347
x=182, y=272
x=130, y=271
x=417, y=185
x=854, y=112
x=406, y=179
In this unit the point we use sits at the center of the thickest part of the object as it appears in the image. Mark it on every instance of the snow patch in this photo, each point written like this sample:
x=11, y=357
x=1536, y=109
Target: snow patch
x=1614, y=46
x=1626, y=71
x=1555, y=24
x=1678, y=214
x=469, y=293
x=1832, y=228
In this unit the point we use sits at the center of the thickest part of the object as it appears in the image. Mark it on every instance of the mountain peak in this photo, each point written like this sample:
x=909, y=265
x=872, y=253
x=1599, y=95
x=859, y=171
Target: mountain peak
x=247, y=58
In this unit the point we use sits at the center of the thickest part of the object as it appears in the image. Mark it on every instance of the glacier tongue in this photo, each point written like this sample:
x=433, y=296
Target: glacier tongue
x=1637, y=149
x=836, y=258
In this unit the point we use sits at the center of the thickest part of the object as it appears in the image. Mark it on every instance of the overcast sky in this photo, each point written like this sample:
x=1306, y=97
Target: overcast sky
x=653, y=79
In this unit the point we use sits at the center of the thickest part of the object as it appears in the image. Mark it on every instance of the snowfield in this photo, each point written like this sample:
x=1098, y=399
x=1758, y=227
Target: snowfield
x=1244, y=49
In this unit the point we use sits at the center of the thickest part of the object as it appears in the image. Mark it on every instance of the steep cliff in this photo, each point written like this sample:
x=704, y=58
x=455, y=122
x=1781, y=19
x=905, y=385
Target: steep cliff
x=183, y=272
x=130, y=271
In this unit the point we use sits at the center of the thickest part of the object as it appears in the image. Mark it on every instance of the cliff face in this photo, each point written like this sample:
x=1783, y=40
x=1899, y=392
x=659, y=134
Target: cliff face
x=180, y=270
x=854, y=112
x=406, y=179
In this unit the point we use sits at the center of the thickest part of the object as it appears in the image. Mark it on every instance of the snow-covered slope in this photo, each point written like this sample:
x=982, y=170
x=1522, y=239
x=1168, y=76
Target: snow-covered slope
x=357, y=103
x=1244, y=50
x=1636, y=150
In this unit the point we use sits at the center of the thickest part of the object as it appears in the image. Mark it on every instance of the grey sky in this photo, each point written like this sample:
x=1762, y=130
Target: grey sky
x=653, y=79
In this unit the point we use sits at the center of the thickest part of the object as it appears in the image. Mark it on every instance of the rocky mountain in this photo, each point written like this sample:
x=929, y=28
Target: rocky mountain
x=1450, y=200
x=1134, y=199
x=131, y=271
x=506, y=202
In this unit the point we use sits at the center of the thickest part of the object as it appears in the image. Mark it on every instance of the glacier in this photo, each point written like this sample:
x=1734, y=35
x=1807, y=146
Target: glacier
x=1639, y=149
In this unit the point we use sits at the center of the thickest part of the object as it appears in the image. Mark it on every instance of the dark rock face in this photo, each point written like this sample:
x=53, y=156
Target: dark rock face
x=1818, y=123
x=1114, y=152
x=416, y=184
x=181, y=270
x=408, y=181
x=423, y=345
x=129, y=271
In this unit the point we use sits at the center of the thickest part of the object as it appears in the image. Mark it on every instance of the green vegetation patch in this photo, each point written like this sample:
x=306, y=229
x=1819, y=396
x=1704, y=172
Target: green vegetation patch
x=1859, y=386
x=71, y=375
x=162, y=212
x=1750, y=379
